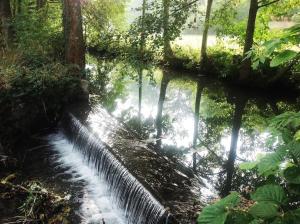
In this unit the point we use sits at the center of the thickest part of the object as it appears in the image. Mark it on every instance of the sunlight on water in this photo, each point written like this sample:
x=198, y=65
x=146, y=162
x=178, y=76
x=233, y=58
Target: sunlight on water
x=246, y=155
x=97, y=205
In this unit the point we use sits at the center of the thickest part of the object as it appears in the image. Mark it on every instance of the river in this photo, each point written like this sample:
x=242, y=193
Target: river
x=159, y=106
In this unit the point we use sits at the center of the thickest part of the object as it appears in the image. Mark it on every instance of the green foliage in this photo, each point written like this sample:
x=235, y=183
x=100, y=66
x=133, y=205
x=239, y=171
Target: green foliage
x=39, y=31
x=276, y=201
x=218, y=212
x=222, y=60
x=270, y=192
x=152, y=26
x=281, y=51
x=264, y=210
x=230, y=19
x=104, y=22
x=283, y=57
x=32, y=94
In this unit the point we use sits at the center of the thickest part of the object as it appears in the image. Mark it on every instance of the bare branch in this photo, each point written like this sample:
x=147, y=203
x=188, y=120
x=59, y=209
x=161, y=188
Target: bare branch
x=185, y=6
x=266, y=4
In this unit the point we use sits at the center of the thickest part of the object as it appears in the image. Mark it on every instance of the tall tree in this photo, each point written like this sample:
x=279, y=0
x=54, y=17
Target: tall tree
x=73, y=32
x=143, y=36
x=140, y=73
x=166, y=29
x=203, y=55
x=40, y=4
x=5, y=20
x=255, y=5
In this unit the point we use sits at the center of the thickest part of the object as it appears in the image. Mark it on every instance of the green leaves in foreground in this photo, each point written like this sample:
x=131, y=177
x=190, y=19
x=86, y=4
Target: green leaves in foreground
x=271, y=203
x=264, y=210
x=292, y=174
x=283, y=57
x=271, y=162
x=217, y=213
x=270, y=193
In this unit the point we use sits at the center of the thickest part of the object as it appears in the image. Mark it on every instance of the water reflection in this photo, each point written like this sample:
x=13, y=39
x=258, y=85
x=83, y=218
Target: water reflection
x=208, y=126
x=239, y=107
x=200, y=88
x=159, y=117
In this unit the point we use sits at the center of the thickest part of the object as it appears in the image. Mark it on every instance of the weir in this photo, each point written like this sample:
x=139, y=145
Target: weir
x=148, y=186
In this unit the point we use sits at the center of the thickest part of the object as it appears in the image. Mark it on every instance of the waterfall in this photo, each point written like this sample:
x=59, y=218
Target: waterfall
x=139, y=204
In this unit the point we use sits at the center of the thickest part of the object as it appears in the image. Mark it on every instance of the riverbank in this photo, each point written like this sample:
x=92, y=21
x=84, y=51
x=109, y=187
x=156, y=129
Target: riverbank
x=33, y=93
x=34, y=90
x=222, y=64
x=31, y=202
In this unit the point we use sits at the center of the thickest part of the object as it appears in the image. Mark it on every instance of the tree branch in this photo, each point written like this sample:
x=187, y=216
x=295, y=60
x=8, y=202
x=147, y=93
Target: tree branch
x=269, y=3
x=185, y=6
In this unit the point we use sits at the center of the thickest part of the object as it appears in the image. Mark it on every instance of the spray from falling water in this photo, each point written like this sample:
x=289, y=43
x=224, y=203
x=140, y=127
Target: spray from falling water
x=140, y=206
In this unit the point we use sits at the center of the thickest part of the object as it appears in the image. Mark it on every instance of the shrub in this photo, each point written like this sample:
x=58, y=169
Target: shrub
x=32, y=96
x=277, y=199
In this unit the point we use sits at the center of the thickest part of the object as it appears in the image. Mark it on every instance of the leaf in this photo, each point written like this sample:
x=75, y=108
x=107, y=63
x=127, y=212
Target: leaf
x=294, y=189
x=218, y=212
x=212, y=214
x=248, y=165
x=295, y=214
x=264, y=210
x=271, y=45
x=269, y=164
x=283, y=57
x=292, y=174
x=230, y=201
x=255, y=64
x=292, y=216
x=294, y=148
x=277, y=221
x=269, y=193
x=287, y=135
x=256, y=221
x=237, y=216
x=297, y=135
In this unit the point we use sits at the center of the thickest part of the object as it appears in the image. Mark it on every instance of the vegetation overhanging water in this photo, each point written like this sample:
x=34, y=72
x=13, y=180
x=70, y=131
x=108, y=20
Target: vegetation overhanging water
x=183, y=112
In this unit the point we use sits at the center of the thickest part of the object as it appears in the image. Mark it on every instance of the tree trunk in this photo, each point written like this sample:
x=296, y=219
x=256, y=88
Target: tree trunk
x=140, y=94
x=237, y=121
x=19, y=7
x=246, y=65
x=40, y=4
x=74, y=43
x=162, y=95
x=143, y=37
x=5, y=20
x=203, y=55
x=166, y=27
x=196, y=122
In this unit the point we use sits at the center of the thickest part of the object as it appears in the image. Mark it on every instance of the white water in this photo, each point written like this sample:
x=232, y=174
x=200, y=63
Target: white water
x=97, y=204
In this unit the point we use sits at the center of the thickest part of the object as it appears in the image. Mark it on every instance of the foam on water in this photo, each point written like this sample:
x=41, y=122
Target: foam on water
x=97, y=204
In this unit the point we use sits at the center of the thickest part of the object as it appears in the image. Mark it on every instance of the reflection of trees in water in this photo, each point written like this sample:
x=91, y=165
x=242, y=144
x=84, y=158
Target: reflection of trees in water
x=223, y=112
x=162, y=96
x=236, y=125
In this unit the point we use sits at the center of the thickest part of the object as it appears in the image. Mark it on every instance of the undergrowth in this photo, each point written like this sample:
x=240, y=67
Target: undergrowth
x=33, y=92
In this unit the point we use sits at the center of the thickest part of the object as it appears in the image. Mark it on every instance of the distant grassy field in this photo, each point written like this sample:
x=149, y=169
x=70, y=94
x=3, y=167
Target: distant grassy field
x=194, y=40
